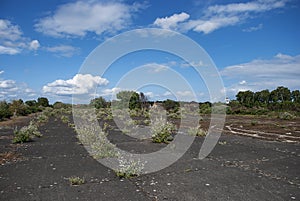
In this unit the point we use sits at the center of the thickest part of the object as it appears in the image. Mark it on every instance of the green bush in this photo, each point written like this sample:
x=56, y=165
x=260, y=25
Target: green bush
x=286, y=116
x=161, y=131
x=4, y=110
x=75, y=181
x=26, y=133
x=197, y=131
x=129, y=168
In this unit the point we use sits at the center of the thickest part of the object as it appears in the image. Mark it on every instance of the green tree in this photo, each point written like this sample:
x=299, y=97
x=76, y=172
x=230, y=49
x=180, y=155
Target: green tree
x=99, y=103
x=31, y=103
x=4, y=110
x=171, y=105
x=296, y=96
x=17, y=107
x=246, y=98
x=129, y=99
x=42, y=101
x=262, y=97
x=280, y=94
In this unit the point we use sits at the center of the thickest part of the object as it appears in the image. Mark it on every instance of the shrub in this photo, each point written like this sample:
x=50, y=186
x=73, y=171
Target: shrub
x=75, y=181
x=41, y=118
x=197, y=131
x=26, y=133
x=21, y=136
x=286, y=116
x=64, y=119
x=129, y=168
x=4, y=110
x=161, y=131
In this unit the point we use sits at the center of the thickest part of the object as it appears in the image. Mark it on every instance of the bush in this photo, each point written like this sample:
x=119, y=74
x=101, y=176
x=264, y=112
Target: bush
x=161, y=131
x=129, y=168
x=4, y=110
x=197, y=131
x=286, y=116
x=26, y=133
x=74, y=181
x=21, y=136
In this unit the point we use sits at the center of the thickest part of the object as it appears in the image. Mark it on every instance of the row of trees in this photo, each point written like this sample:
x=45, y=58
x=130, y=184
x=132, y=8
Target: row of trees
x=247, y=102
x=279, y=95
x=125, y=99
x=21, y=108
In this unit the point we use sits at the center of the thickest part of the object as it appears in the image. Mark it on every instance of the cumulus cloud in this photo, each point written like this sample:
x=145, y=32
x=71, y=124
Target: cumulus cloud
x=155, y=67
x=63, y=50
x=34, y=45
x=12, y=40
x=79, y=84
x=281, y=70
x=10, y=89
x=172, y=21
x=218, y=16
x=80, y=17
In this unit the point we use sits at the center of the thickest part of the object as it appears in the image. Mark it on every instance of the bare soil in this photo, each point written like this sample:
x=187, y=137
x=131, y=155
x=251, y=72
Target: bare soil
x=257, y=158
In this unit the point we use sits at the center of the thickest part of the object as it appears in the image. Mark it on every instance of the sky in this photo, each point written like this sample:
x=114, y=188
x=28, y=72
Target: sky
x=43, y=44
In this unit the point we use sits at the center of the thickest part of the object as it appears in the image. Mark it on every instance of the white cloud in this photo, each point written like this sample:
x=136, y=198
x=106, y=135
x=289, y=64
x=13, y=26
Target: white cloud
x=219, y=16
x=255, y=28
x=9, y=31
x=79, y=18
x=1, y=72
x=79, y=84
x=10, y=89
x=63, y=50
x=34, y=45
x=281, y=70
x=242, y=82
x=9, y=50
x=110, y=92
x=172, y=21
x=155, y=67
x=12, y=40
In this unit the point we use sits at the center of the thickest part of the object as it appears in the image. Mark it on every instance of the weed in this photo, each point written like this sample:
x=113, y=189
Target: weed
x=254, y=123
x=129, y=168
x=65, y=119
x=197, y=131
x=286, y=116
x=161, y=131
x=75, y=181
x=26, y=133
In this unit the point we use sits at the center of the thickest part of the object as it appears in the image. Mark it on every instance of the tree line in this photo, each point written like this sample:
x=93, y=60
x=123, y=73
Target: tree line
x=21, y=108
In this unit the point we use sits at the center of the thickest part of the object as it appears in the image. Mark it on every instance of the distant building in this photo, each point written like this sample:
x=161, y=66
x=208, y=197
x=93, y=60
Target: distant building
x=227, y=100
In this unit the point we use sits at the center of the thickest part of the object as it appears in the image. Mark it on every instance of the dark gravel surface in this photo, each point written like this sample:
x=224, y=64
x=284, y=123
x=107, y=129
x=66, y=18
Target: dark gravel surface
x=239, y=168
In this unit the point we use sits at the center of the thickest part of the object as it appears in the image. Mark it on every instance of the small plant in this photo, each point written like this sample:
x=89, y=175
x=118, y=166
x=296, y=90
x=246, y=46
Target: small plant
x=75, y=181
x=26, y=133
x=254, y=123
x=64, y=119
x=21, y=136
x=42, y=118
x=129, y=168
x=161, y=131
x=286, y=116
x=197, y=131
x=106, y=127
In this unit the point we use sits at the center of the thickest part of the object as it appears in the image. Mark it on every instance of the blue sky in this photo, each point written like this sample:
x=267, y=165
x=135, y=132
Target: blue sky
x=254, y=44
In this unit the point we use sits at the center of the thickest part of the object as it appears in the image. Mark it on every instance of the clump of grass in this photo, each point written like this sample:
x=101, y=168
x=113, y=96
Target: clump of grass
x=65, y=119
x=286, y=116
x=26, y=133
x=197, y=131
x=129, y=168
x=75, y=181
x=42, y=118
x=161, y=131
x=254, y=123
